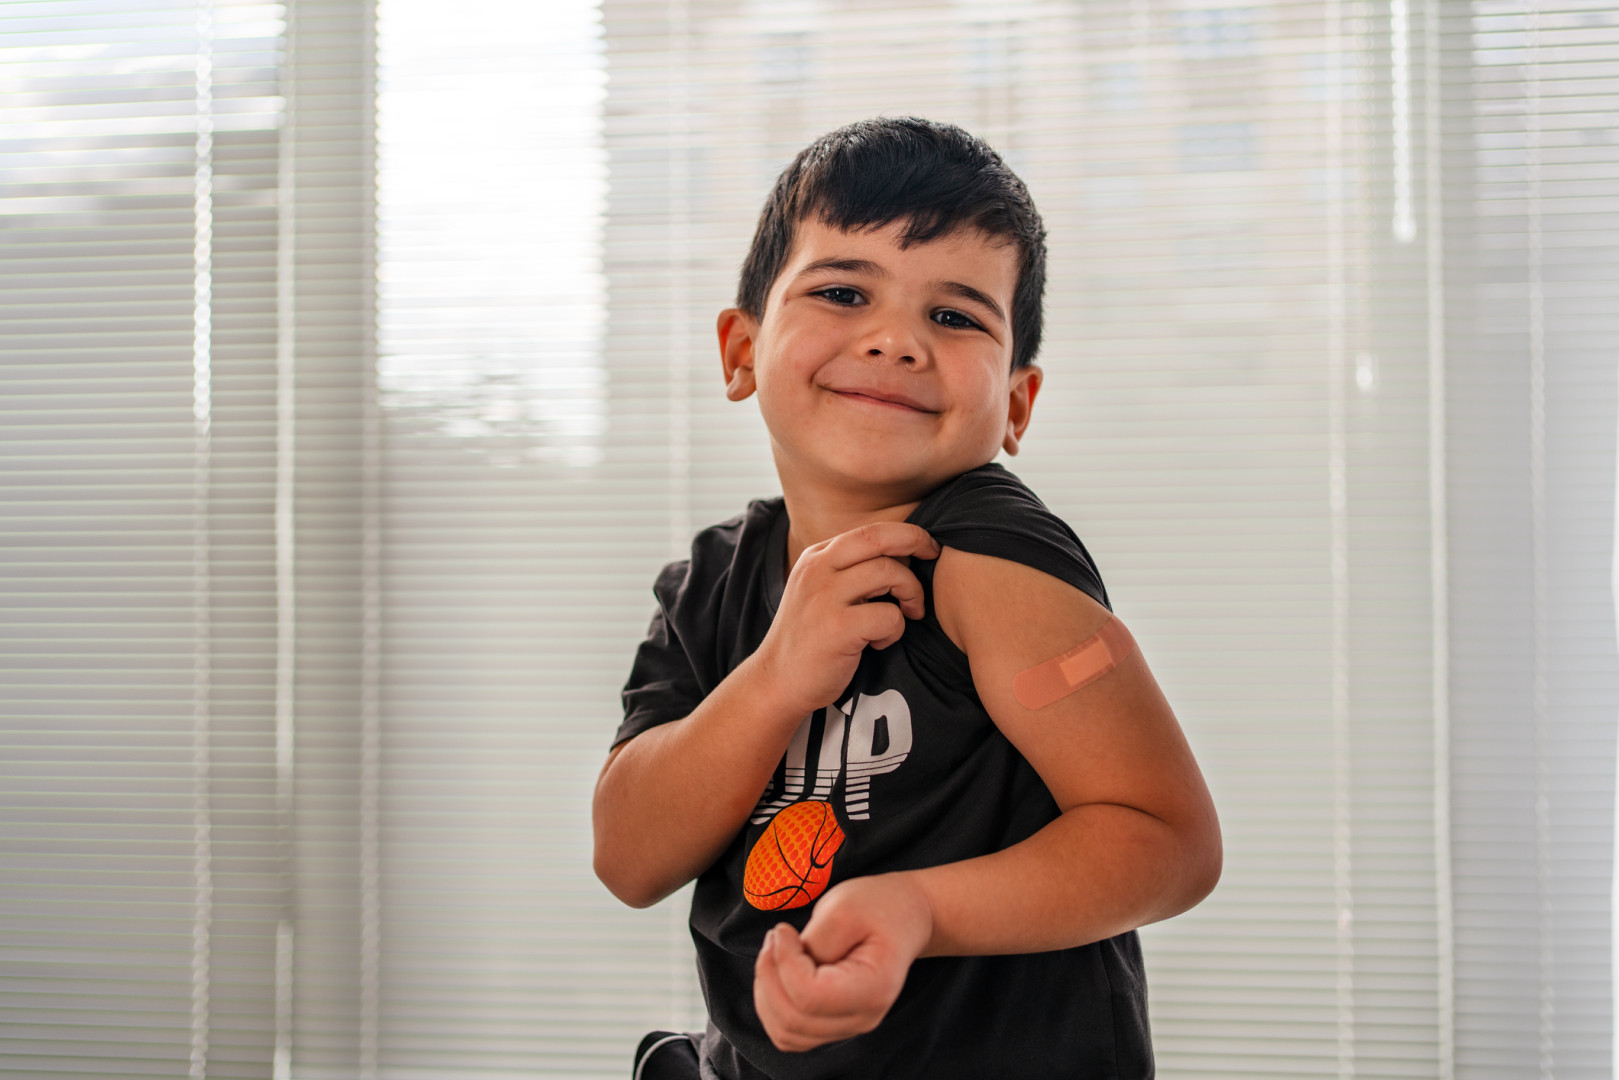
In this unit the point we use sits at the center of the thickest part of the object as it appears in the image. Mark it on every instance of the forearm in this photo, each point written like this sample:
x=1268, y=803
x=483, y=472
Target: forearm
x=1097, y=870
x=671, y=798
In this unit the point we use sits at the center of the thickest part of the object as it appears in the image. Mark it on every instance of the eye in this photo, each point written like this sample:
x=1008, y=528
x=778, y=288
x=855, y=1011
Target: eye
x=956, y=320
x=841, y=295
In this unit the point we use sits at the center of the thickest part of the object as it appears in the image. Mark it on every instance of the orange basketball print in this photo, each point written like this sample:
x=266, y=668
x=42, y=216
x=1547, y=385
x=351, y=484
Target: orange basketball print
x=791, y=862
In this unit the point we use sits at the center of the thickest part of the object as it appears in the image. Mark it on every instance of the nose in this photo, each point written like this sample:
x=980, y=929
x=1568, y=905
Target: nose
x=875, y=353
x=896, y=342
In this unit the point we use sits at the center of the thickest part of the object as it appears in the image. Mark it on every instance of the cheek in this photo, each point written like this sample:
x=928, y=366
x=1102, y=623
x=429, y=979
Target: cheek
x=794, y=354
x=777, y=379
x=783, y=380
x=989, y=421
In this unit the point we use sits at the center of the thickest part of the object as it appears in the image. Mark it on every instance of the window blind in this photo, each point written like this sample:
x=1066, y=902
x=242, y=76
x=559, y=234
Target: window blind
x=329, y=719
x=1534, y=217
x=515, y=528
x=137, y=238
x=359, y=377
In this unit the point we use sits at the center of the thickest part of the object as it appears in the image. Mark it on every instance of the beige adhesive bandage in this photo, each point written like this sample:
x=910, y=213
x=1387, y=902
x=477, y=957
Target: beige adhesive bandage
x=1082, y=665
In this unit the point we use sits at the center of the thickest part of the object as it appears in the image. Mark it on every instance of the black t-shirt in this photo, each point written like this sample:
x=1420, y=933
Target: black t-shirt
x=914, y=773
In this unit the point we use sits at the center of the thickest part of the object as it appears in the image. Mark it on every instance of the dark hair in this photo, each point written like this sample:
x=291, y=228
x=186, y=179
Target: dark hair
x=935, y=177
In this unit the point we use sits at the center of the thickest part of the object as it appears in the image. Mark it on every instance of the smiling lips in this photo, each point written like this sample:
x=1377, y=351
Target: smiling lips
x=888, y=398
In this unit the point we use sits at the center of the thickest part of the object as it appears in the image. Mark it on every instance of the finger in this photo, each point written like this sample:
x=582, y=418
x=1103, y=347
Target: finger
x=879, y=625
x=776, y=1013
x=815, y=992
x=892, y=538
x=789, y=1026
x=852, y=990
x=793, y=961
x=800, y=979
x=882, y=576
x=832, y=933
x=769, y=998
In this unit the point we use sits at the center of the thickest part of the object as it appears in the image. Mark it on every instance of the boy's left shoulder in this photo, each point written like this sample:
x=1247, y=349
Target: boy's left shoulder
x=990, y=511
x=978, y=496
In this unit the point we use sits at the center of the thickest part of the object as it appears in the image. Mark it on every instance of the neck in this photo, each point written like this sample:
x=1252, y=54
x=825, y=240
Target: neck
x=814, y=516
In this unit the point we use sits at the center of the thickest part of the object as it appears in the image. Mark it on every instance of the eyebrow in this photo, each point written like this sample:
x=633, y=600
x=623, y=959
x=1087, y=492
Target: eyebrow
x=845, y=266
x=866, y=266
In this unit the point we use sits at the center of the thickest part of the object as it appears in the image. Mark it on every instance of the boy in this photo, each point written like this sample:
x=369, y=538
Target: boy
x=926, y=785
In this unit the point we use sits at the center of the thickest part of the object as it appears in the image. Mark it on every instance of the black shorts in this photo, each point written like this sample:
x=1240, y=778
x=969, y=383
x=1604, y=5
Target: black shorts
x=666, y=1055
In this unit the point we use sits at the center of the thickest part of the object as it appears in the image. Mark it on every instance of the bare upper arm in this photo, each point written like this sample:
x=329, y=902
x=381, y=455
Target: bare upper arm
x=1115, y=740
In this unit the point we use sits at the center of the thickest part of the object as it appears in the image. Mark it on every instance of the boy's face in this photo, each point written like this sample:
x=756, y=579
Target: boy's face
x=883, y=370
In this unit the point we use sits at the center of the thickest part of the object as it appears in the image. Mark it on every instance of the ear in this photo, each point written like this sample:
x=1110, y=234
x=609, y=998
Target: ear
x=1025, y=387
x=737, y=332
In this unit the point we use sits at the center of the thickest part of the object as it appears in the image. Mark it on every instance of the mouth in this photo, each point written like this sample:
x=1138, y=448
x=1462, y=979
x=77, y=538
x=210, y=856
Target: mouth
x=883, y=398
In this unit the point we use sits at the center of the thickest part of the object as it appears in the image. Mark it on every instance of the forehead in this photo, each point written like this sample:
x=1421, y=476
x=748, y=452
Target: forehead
x=966, y=255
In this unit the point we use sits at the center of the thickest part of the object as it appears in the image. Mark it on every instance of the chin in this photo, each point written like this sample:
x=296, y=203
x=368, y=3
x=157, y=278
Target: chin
x=897, y=485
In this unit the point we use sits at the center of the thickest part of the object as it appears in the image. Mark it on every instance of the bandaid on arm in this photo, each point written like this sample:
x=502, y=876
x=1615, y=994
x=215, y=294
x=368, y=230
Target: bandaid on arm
x=1046, y=682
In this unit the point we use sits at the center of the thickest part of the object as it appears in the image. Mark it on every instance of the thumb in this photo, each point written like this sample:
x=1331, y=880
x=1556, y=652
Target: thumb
x=832, y=933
